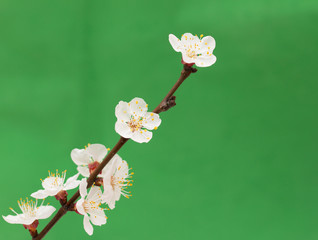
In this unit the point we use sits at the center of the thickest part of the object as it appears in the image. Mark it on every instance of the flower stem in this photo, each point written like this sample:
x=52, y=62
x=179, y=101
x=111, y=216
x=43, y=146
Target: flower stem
x=169, y=100
x=34, y=233
x=165, y=104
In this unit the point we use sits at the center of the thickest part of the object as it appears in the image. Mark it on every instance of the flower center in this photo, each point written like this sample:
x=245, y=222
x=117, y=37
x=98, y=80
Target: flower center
x=54, y=180
x=191, y=54
x=28, y=207
x=90, y=205
x=121, y=180
x=135, y=125
x=86, y=206
x=113, y=182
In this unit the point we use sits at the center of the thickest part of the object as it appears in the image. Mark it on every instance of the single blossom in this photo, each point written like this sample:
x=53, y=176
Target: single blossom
x=89, y=158
x=116, y=179
x=30, y=212
x=195, y=50
x=54, y=184
x=89, y=206
x=134, y=120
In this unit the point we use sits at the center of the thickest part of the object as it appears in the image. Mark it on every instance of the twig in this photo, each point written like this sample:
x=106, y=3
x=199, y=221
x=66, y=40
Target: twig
x=166, y=104
x=169, y=100
x=34, y=233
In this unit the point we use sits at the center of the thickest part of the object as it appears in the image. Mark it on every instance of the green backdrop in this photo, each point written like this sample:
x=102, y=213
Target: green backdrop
x=236, y=159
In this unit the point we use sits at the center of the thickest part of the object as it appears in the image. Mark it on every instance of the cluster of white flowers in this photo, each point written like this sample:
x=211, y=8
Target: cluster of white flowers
x=116, y=179
x=133, y=122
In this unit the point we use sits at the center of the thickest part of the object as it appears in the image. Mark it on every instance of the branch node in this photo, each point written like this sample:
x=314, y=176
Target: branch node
x=194, y=70
x=72, y=207
x=98, y=181
x=189, y=68
x=61, y=196
x=168, y=103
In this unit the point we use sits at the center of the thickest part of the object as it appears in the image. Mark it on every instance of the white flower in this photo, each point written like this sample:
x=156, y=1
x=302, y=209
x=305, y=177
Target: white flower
x=133, y=120
x=54, y=183
x=116, y=179
x=30, y=213
x=89, y=158
x=89, y=206
x=194, y=50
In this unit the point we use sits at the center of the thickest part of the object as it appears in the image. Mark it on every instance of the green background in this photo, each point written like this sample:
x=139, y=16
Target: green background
x=236, y=159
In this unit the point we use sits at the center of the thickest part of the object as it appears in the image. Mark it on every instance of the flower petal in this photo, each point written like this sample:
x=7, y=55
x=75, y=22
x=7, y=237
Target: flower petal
x=109, y=196
x=83, y=170
x=196, y=40
x=72, y=182
x=207, y=44
x=80, y=156
x=151, y=121
x=123, y=129
x=72, y=185
x=107, y=179
x=108, y=193
x=122, y=111
x=44, y=212
x=88, y=226
x=175, y=43
x=124, y=169
x=79, y=206
x=52, y=184
x=97, y=151
x=111, y=166
x=117, y=194
x=83, y=188
x=17, y=219
x=52, y=191
x=186, y=37
x=40, y=194
x=98, y=219
x=138, y=107
x=142, y=136
x=205, y=61
x=111, y=204
x=188, y=40
x=95, y=194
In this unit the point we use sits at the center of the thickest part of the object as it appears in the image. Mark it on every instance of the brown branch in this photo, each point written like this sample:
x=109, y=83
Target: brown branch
x=166, y=104
x=169, y=100
x=34, y=233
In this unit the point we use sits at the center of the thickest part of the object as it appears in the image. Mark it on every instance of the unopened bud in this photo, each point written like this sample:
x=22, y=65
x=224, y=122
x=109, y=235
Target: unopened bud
x=99, y=181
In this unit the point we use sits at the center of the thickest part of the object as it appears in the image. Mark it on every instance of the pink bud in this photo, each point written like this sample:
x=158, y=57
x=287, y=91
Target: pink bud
x=61, y=195
x=93, y=166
